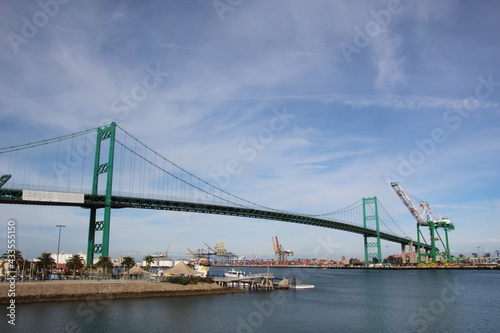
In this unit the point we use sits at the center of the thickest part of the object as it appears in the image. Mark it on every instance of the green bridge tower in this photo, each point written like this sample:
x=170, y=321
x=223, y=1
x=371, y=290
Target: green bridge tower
x=370, y=213
x=105, y=138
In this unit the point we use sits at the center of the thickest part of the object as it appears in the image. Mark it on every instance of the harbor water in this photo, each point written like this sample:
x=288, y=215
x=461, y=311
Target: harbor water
x=343, y=300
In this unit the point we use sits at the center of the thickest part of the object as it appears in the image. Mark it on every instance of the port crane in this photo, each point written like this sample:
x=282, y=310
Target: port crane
x=166, y=252
x=219, y=255
x=425, y=217
x=4, y=179
x=280, y=253
x=201, y=254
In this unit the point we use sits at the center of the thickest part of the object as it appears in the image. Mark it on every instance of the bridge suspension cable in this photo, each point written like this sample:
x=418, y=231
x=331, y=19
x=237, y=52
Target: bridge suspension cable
x=63, y=168
x=45, y=142
x=140, y=172
x=390, y=217
x=187, y=178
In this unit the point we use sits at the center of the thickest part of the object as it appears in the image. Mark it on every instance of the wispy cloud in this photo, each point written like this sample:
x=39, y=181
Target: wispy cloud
x=353, y=122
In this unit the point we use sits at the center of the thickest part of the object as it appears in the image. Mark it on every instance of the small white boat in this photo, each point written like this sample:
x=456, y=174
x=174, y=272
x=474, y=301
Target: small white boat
x=202, y=270
x=234, y=273
x=303, y=286
x=296, y=284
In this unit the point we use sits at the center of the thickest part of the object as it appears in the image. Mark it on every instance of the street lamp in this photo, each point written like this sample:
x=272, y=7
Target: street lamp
x=59, y=242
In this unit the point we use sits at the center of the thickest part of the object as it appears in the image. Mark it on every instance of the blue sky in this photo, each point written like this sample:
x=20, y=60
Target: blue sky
x=372, y=92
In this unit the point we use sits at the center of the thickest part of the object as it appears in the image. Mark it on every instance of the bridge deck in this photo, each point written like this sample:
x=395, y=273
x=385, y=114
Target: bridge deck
x=14, y=196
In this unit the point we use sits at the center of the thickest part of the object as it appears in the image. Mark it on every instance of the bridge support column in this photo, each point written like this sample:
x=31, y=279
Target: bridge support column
x=403, y=253
x=103, y=133
x=370, y=213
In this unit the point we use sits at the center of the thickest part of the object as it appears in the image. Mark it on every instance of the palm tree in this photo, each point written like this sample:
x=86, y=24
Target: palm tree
x=149, y=260
x=105, y=263
x=75, y=263
x=45, y=260
x=128, y=262
x=12, y=261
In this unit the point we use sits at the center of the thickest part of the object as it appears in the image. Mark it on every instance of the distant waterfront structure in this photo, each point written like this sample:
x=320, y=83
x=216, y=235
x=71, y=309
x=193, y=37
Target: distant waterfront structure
x=63, y=257
x=159, y=261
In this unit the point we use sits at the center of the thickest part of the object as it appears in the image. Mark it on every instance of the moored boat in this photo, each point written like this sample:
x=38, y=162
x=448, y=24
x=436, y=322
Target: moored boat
x=234, y=273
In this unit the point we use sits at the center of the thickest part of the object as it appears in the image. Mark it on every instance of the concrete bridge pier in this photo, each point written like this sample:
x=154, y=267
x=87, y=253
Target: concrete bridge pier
x=403, y=253
x=412, y=257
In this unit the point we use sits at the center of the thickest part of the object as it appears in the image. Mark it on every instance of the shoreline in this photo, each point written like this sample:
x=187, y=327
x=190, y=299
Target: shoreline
x=82, y=290
x=484, y=267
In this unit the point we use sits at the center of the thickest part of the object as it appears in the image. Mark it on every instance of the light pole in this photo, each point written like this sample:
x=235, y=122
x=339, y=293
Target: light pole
x=59, y=242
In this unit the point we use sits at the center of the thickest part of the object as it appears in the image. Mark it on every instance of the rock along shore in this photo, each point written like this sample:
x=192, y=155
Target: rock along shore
x=49, y=291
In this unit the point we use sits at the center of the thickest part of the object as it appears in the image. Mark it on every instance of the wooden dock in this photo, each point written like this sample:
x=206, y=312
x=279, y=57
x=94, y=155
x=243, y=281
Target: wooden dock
x=254, y=282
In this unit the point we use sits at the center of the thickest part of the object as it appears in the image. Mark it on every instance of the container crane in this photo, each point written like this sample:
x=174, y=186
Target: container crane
x=280, y=253
x=4, y=179
x=223, y=255
x=166, y=252
x=425, y=217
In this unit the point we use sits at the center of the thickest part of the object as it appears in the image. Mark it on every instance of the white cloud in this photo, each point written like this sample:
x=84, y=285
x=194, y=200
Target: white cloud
x=352, y=120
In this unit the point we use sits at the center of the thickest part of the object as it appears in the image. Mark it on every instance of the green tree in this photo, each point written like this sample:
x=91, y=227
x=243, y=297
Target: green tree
x=128, y=262
x=105, y=263
x=45, y=261
x=149, y=260
x=75, y=263
x=12, y=261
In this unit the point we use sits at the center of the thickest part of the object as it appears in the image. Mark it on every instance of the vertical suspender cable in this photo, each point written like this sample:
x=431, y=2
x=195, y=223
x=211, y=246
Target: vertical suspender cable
x=57, y=160
x=41, y=167
x=122, y=164
x=26, y=172
x=132, y=174
x=70, y=165
x=84, y=155
x=15, y=163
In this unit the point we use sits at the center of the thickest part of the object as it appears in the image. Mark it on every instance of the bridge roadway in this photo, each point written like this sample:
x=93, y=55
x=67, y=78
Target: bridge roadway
x=13, y=196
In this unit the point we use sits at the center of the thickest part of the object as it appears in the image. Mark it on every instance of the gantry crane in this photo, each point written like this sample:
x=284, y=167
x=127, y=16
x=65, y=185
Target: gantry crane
x=425, y=217
x=4, y=179
x=201, y=254
x=281, y=255
x=223, y=255
x=217, y=256
x=166, y=252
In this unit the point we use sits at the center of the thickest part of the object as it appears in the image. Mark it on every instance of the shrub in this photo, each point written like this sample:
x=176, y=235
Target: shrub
x=184, y=280
x=178, y=279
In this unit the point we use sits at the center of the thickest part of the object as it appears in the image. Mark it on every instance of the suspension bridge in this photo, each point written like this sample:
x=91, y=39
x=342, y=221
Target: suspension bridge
x=107, y=168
